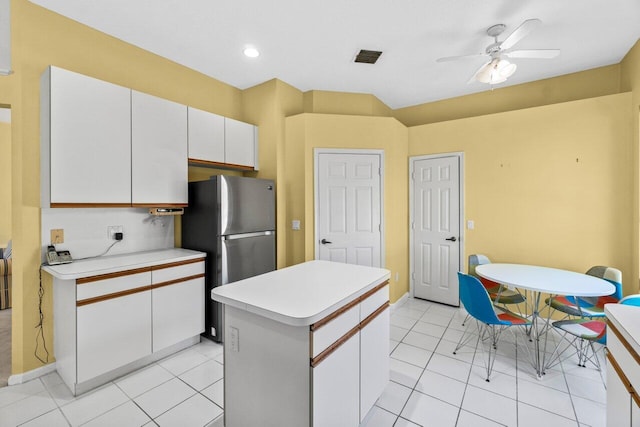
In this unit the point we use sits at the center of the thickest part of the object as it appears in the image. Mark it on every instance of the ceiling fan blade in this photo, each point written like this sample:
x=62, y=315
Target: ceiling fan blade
x=455, y=58
x=533, y=53
x=519, y=33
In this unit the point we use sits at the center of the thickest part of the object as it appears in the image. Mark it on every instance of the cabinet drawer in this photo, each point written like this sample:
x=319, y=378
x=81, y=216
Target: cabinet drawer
x=97, y=286
x=628, y=362
x=178, y=270
x=330, y=332
x=372, y=302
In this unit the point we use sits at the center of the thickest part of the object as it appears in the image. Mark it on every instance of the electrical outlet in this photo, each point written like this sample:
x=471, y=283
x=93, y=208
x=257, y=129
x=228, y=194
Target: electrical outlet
x=112, y=230
x=234, y=339
x=57, y=236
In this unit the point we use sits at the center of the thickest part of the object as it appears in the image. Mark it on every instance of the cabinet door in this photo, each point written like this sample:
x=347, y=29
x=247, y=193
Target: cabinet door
x=635, y=411
x=158, y=150
x=89, y=125
x=335, y=387
x=374, y=361
x=178, y=312
x=113, y=333
x=206, y=136
x=618, y=399
x=239, y=143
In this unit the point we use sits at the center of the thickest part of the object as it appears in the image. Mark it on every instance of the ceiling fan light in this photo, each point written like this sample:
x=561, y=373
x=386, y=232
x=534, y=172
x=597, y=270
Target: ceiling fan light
x=506, y=68
x=484, y=73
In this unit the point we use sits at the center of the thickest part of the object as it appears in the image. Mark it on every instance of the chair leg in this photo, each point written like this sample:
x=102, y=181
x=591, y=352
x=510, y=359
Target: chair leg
x=490, y=334
x=465, y=338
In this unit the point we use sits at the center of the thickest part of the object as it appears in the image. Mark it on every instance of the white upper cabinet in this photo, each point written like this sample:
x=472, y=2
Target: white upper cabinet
x=240, y=143
x=86, y=131
x=158, y=151
x=206, y=136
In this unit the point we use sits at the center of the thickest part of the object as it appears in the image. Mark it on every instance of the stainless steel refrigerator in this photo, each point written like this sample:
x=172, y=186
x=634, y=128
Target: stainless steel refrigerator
x=232, y=219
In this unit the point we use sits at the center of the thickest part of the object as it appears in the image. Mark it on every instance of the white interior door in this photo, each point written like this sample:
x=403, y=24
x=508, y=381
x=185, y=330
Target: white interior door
x=435, y=250
x=348, y=208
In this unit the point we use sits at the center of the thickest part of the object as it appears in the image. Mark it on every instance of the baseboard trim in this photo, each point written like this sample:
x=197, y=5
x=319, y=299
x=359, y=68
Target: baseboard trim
x=400, y=301
x=32, y=374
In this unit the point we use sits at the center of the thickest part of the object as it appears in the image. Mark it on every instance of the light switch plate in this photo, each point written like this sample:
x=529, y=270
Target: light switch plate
x=470, y=224
x=295, y=224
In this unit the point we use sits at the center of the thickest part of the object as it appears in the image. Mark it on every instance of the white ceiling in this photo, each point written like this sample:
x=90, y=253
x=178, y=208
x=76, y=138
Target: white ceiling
x=311, y=45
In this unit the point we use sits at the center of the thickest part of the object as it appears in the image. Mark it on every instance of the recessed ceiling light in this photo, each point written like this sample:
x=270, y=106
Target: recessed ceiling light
x=251, y=52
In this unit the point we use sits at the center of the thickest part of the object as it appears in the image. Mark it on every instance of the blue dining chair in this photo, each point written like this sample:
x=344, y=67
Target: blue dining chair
x=591, y=307
x=490, y=320
x=586, y=332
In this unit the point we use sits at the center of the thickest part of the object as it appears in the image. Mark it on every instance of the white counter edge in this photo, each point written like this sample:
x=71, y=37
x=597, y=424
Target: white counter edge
x=120, y=262
x=622, y=316
x=297, y=321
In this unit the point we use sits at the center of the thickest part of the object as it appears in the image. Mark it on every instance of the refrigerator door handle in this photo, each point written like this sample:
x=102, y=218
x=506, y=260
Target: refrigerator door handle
x=247, y=235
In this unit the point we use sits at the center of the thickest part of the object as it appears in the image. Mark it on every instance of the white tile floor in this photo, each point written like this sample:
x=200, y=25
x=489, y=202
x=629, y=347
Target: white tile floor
x=429, y=386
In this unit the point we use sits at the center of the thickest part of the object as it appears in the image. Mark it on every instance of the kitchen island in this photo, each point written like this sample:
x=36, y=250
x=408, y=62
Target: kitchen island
x=307, y=345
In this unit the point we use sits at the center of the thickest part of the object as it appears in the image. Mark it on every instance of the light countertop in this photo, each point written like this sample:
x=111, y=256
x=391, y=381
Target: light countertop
x=301, y=294
x=626, y=318
x=113, y=263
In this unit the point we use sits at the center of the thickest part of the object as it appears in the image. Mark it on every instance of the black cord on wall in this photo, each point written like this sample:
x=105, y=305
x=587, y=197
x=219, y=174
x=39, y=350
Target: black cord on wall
x=40, y=326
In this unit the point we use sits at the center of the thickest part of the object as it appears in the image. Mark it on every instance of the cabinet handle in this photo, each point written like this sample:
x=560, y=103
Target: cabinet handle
x=112, y=296
x=333, y=347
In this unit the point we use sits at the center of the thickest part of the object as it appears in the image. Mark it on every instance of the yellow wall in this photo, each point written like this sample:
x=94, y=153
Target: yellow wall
x=308, y=131
x=630, y=81
x=570, y=87
x=5, y=183
x=548, y=185
x=328, y=102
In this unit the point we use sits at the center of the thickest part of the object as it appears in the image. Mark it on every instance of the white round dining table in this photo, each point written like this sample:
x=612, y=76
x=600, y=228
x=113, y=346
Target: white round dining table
x=545, y=279
x=538, y=280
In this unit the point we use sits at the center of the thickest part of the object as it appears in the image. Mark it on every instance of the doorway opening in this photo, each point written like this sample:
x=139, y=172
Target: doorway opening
x=5, y=245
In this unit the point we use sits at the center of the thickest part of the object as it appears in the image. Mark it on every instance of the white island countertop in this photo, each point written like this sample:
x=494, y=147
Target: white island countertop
x=301, y=294
x=626, y=319
x=113, y=263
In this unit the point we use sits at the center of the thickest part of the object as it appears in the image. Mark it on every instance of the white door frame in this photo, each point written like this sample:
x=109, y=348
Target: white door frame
x=412, y=161
x=316, y=161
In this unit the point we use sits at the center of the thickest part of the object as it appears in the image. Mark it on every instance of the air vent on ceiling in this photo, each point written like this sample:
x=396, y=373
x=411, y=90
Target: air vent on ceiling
x=368, y=56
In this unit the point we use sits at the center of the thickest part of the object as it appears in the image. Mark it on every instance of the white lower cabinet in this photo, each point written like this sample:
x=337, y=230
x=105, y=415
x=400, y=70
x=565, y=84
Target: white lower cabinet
x=623, y=380
x=336, y=386
x=113, y=333
x=107, y=325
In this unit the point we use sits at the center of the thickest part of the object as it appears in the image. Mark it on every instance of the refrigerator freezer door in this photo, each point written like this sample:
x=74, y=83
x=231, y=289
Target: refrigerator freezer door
x=246, y=205
x=247, y=255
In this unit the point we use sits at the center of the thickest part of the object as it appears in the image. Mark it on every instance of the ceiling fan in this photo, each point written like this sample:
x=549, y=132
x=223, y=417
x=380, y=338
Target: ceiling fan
x=497, y=70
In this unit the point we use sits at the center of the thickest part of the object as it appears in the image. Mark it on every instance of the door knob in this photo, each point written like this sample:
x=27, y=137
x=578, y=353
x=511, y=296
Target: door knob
x=325, y=241
x=451, y=239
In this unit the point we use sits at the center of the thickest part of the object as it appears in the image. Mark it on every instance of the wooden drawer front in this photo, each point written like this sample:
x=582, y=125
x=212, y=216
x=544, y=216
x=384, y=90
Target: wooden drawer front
x=373, y=302
x=332, y=331
x=163, y=273
x=623, y=356
x=113, y=285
